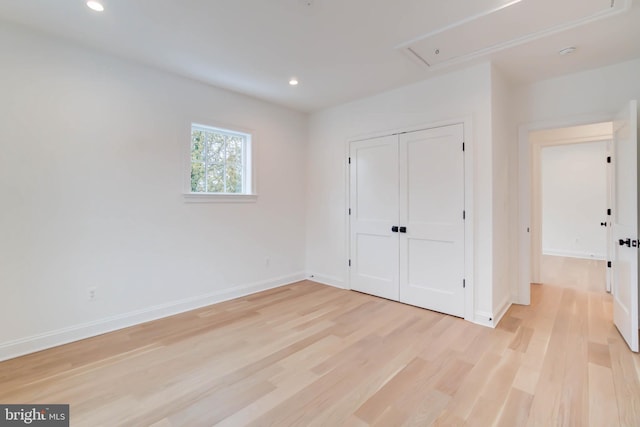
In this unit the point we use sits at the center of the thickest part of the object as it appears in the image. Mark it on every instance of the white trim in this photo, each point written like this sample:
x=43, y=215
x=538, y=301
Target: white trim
x=31, y=344
x=572, y=254
x=501, y=312
x=347, y=217
x=469, y=170
x=326, y=280
x=587, y=133
x=219, y=198
x=491, y=320
x=405, y=47
x=457, y=24
x=250, y=175
x=483, y=318
x=525, y=155
x=469, y=206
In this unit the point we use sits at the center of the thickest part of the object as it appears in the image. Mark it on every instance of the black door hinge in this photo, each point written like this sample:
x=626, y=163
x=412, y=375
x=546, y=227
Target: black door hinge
x=464, y=214
x=608, y=159
x=608, y=264
x=462, y=145
x=349, y=211
x=349, y=160
x=349, y=263
x=464, y=283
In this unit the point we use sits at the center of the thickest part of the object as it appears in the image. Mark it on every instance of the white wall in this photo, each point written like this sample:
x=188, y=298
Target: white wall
x=574, y=200
x=579, y=98
x=465, y=93
x=503, y=136
x=579, y=95
x=91, y=178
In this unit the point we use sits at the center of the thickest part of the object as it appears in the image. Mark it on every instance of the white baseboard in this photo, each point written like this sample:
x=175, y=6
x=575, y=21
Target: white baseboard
x=501, y=311
x=573, y=254
x=31, y=344
x=327, y=280
x=483, y=318
x=491, y=320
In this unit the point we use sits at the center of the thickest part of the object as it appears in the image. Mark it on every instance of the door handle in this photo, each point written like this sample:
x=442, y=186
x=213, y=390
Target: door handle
x=403, y=229
x=604, y=224
x=394, y=228
x=630, y=243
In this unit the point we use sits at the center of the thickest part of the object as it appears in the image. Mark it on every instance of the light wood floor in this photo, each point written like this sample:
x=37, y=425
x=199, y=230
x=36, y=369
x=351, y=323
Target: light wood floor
x=578, y=273
x=311, y=355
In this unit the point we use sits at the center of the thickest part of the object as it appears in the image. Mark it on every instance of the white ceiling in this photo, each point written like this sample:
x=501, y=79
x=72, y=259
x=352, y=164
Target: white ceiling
x=340, y=50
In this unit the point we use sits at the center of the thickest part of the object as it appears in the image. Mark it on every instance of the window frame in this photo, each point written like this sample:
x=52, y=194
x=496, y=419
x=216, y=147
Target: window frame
x=249, y=183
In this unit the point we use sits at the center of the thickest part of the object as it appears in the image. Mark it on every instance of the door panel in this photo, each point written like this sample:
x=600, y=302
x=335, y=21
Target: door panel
x=625, y=224
x=374, y=210
x=610, y=247
x=431, y=207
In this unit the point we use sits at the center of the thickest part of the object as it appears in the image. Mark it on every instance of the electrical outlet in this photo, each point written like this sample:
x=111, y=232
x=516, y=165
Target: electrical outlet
x=91, y=294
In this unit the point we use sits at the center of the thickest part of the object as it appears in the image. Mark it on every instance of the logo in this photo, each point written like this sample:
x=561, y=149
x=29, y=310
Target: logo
x=34, y=415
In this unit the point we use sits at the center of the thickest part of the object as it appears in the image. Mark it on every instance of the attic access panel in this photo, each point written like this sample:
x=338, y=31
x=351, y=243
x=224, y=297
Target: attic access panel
x=509, y=24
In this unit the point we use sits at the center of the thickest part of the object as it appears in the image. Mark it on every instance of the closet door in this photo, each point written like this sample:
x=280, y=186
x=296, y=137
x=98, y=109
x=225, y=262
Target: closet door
x=374, y=211
x=431, y=209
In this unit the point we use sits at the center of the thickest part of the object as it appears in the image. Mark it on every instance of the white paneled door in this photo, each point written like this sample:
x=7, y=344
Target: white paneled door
x=407, y=225
x=431, y=209
x=625, y=224
x=374, y=211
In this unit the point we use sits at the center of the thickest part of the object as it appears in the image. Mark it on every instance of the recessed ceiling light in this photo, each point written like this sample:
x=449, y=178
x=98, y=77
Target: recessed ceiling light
x=293, y=81
x=567, y=51
x=94, y=5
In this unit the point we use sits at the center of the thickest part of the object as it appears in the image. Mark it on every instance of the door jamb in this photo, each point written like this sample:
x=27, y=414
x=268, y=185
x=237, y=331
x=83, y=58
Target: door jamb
x=525, y=177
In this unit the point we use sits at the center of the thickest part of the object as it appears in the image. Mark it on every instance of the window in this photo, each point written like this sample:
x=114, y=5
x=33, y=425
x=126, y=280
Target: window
x=220, y=162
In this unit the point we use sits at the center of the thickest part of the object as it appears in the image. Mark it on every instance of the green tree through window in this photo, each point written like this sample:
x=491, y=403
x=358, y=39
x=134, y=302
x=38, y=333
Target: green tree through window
x=218, y=161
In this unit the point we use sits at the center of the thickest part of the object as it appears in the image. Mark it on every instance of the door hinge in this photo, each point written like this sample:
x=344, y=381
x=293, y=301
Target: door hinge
x=349, y=211
x=608, y=264
x=349, y=263
x=464, y=214
x=608, y=159
x=349, y=160
x=609, y=212
x=462, y=145
x=464, y=283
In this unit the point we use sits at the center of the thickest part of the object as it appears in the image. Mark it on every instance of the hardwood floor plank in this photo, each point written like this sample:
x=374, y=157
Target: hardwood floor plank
x=521, y=339
x=516, y=409
x=625, y=380
x=469, y=392
x=599, y=354
x=452, y=377
x=603, y=407
x=312, y=355
x=495, y=390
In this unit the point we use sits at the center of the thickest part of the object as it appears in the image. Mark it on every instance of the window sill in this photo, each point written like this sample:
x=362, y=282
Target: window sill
x=219, y=198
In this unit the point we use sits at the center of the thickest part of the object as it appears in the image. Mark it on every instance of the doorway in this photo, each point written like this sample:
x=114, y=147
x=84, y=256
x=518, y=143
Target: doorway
x=570, y=194
x=572, y=204
x=622, y=216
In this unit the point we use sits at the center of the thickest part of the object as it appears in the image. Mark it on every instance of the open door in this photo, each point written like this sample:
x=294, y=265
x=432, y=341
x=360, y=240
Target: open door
x=625, y=224
x=608, y=224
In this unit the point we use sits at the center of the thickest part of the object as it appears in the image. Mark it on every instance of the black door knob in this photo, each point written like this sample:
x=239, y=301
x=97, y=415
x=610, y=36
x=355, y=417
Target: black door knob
x=403, y=229
x=623, y=242
x=394, y=228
